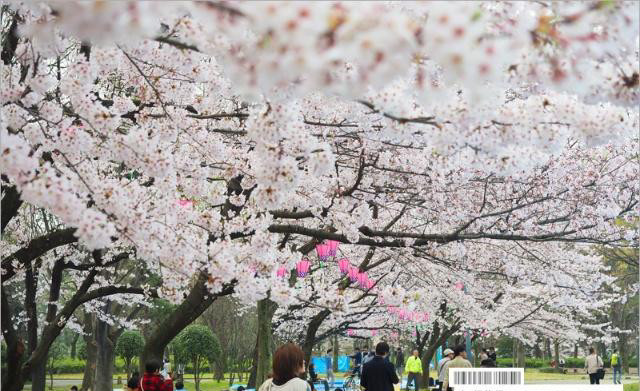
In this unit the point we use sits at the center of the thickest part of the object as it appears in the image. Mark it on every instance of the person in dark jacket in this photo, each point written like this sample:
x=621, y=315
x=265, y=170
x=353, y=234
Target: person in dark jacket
x=357, y=358
x=379, y=374
x=399, y=361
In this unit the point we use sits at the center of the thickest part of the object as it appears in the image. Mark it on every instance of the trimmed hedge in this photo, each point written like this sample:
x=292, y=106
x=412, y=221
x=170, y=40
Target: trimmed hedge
x=69, y=365
x=569, y=362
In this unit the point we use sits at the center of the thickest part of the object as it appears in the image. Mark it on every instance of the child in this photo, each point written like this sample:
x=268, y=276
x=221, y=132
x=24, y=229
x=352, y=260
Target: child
x=180, y=386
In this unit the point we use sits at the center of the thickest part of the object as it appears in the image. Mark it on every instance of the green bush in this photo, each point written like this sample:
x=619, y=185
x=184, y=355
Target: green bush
x=569, y=362
x=69, y=365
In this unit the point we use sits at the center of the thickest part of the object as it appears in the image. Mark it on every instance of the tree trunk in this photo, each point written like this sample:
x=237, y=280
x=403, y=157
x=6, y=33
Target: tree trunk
x=624, y=352
x=556, y=352
x=74, y=345
x=575, y=350
x=537, y=352
x=547, y=348
x=336, y=352
x=88, y=380
x=312, y=330
x=266, y=309
x=196, y=302
x=38, y=371
x=105, y=357
x=520, y=354
x=196, y=373
x=39, y=377
x=514, y=353
x=15, y=348
x=253, y=372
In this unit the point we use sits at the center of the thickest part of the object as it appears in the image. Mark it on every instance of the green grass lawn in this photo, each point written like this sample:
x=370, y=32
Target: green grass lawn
x=531, y=375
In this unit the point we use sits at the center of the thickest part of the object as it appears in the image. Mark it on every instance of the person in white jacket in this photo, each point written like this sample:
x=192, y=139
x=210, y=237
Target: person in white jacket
x=592, y=363
x=288, y=365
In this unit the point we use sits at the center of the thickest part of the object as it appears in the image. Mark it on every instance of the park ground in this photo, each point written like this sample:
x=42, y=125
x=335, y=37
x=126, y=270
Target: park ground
x=62, y=382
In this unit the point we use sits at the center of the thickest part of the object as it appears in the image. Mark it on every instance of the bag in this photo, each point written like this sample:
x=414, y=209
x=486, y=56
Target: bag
x=601, y=373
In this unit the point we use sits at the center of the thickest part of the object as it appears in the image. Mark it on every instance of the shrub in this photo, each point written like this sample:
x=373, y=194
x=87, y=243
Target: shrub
x=129, y=346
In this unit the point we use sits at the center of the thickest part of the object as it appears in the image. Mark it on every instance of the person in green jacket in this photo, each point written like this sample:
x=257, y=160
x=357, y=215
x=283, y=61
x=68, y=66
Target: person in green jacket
x=617, y=367
x=414, y=370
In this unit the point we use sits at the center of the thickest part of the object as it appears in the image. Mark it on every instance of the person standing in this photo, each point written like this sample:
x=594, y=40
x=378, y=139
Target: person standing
x=399, y=361
x=493, y=356
x=330, y=377
x=152, y=380
x=378, y=374
x=447, y=356
x=357, y=358
x=288, y=364
x=368, y=357
x=616, y=365
x=414, y=370
x=459, y=361
x=592, y=364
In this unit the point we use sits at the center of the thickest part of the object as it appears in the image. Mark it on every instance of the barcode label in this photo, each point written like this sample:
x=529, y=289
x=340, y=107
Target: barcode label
x=462, y=376
x=539, y=387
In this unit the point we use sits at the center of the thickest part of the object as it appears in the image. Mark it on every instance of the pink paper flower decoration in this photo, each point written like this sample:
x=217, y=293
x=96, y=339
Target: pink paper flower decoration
x=362, y=279
x=353, y=274
x=323, y=251
x=459, y=285
x=303, y=267
x=343, y=264
x=333, y=247
x=281, y=272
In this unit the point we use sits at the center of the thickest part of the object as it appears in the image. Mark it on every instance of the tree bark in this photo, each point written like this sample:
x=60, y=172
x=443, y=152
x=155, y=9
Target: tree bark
x=312, y=330
x=88, y=380
x=253, y=372
x=11, y=201
x=520, y=354
x=556, y=352
x=266, y=309
x=196, y=302
x=74, y=346
x=105, y=354
x=39, y=371
x=336, y=352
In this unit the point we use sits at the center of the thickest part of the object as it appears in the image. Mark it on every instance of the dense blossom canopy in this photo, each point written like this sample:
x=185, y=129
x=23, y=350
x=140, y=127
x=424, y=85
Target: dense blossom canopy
x=481, y=143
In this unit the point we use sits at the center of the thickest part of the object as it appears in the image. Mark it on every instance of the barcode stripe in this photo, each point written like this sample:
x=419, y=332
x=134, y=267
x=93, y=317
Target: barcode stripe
x=492, y=376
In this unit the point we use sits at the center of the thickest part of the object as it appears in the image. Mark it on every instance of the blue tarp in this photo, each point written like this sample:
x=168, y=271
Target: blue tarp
x=320, y=363
x=343, y=363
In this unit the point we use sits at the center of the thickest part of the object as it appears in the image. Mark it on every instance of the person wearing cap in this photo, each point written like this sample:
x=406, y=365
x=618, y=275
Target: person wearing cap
x=446, y=356
x=459, y=361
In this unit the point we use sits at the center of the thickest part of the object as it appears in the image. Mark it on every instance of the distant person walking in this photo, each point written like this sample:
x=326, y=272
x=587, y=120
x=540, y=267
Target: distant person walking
x=378, y=374
x=414, y=370
x=447, y=356
x=399, y=361
x=459, y=361
x=593, y=363
x=616, y=365
x=288, y=364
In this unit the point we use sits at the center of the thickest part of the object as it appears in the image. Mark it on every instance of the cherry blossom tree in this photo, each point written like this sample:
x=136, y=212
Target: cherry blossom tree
x=219, y=151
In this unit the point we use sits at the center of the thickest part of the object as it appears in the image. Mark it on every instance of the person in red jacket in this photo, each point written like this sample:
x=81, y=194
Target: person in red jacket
x=152, y=380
